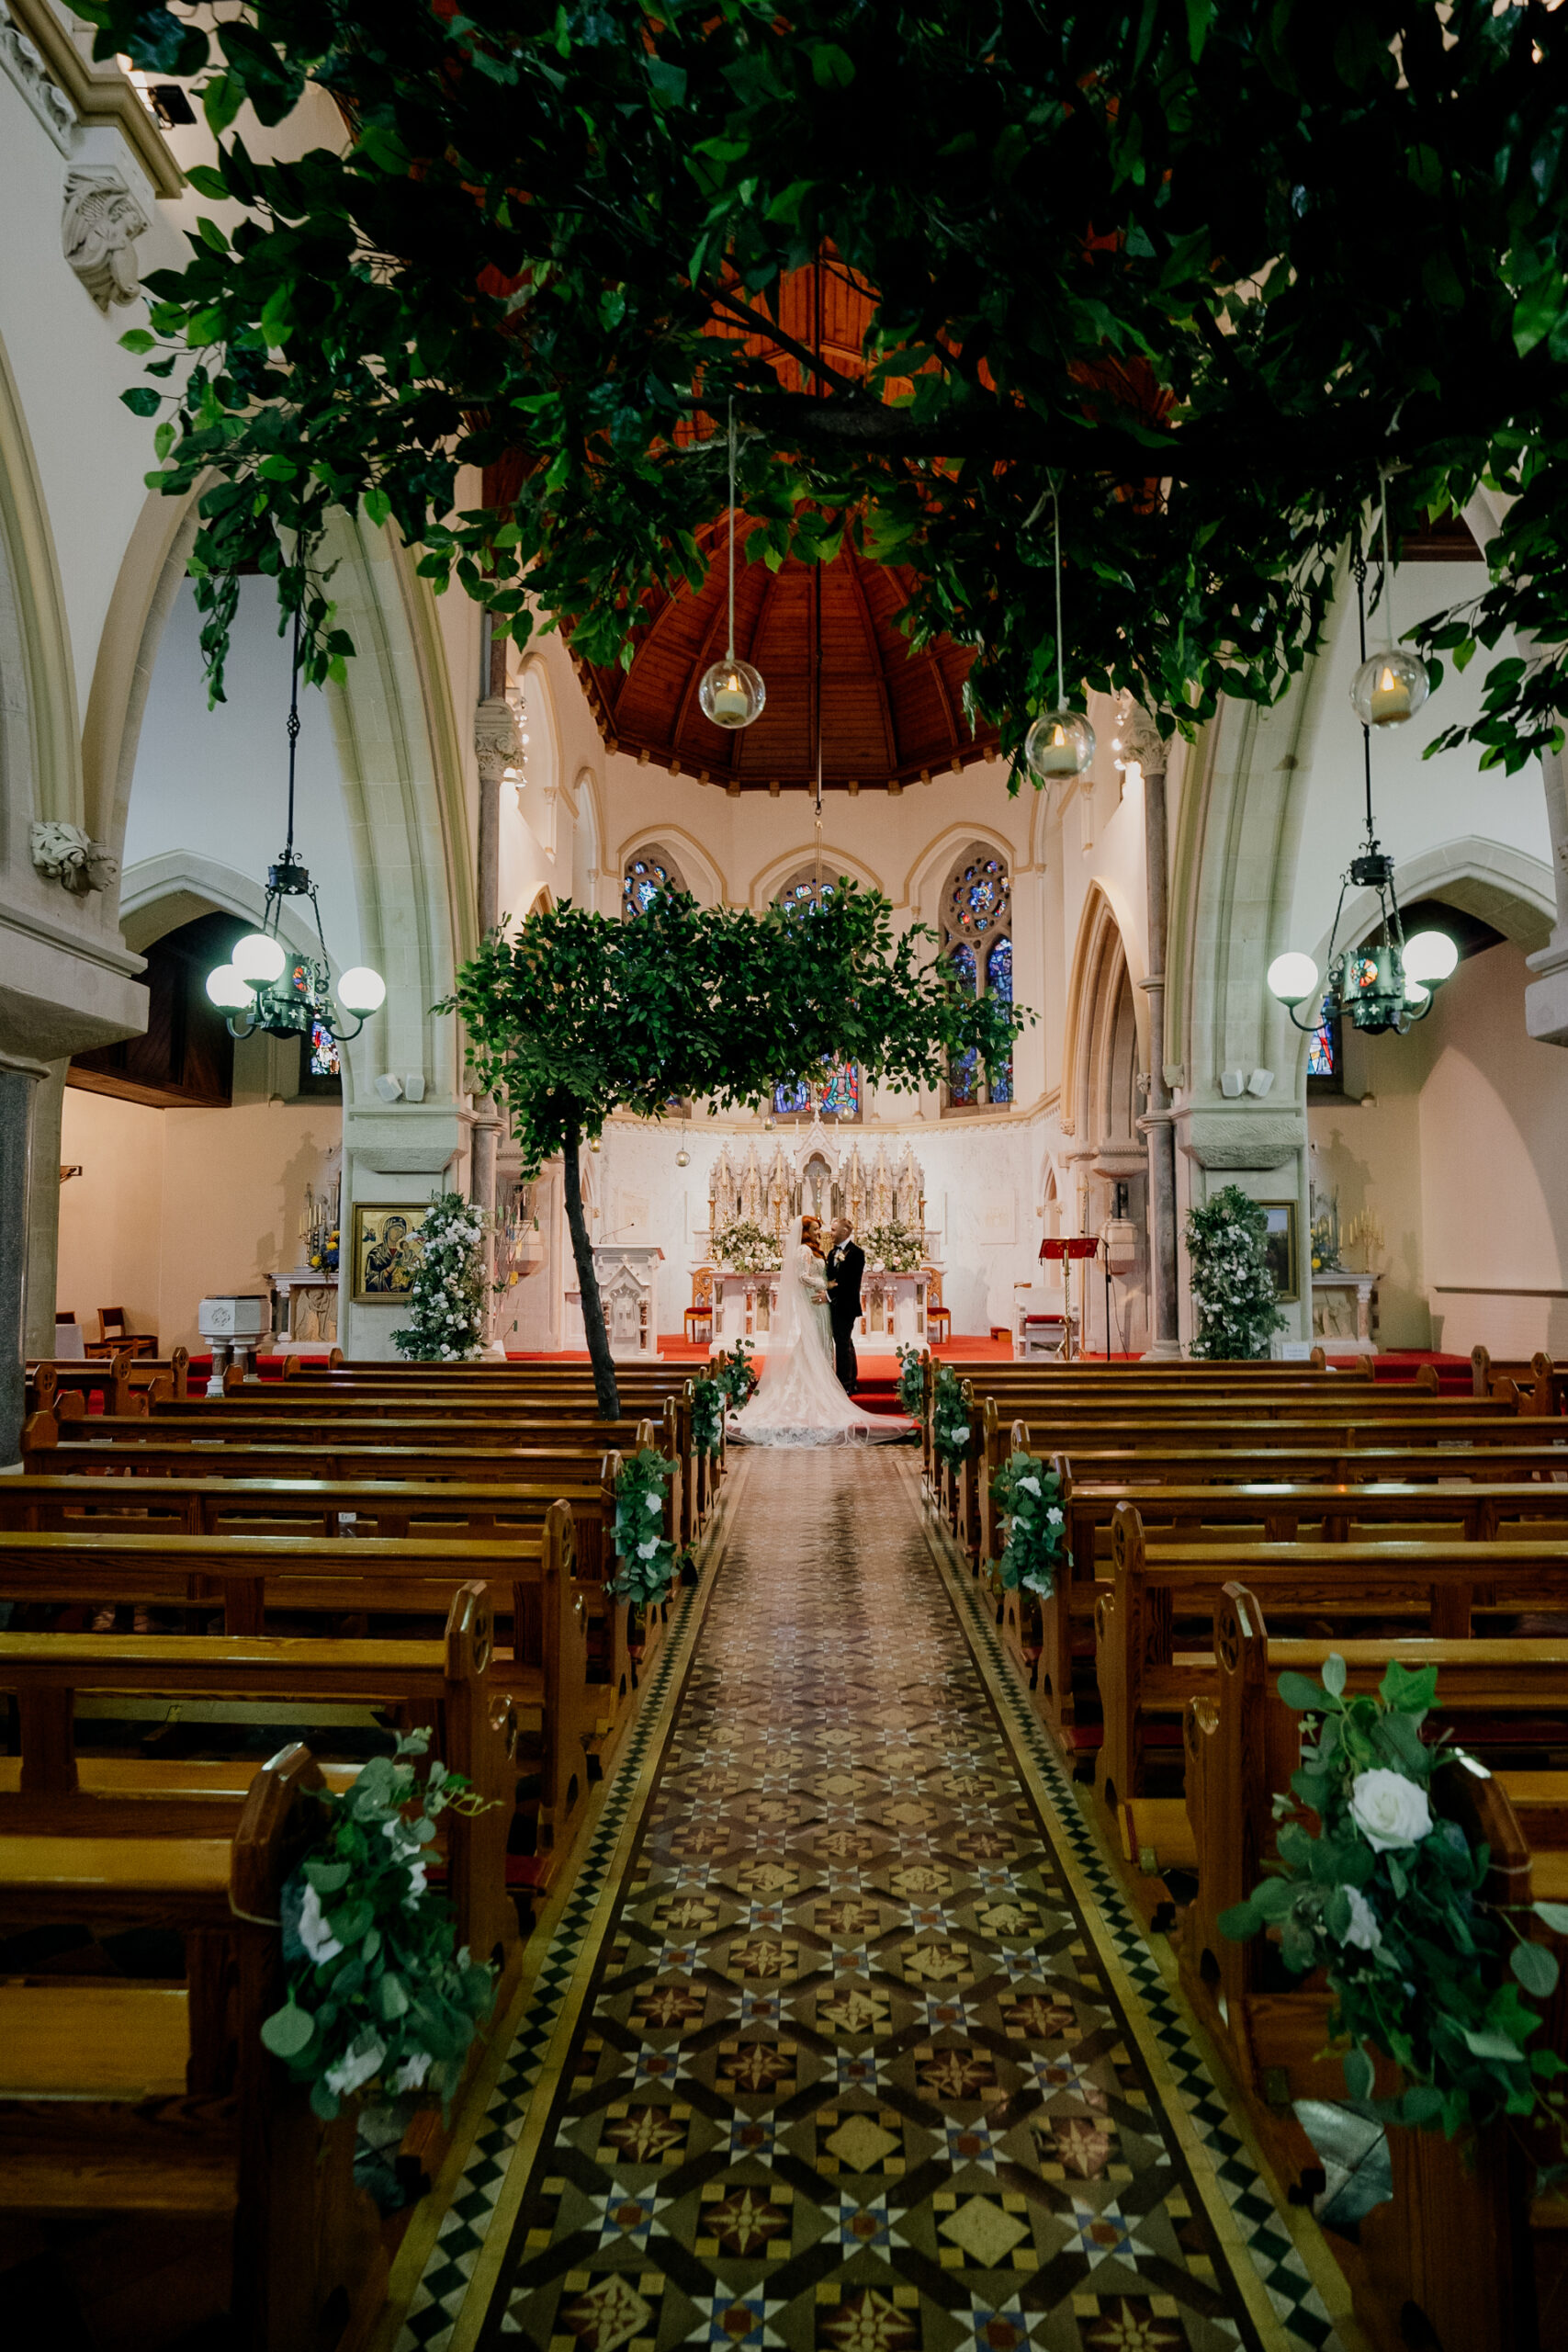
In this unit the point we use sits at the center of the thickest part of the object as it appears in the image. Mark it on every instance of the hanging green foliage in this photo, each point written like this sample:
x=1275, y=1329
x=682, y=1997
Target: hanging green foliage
x=1028, y=1494
x=707, y=1415
x=949, y=1417
x=1210, y=268
x=645, y=1554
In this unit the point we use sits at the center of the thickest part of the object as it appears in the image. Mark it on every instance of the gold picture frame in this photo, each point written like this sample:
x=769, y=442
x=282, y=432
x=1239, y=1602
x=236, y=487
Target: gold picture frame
x=381, y=1264
x=1280, y=1249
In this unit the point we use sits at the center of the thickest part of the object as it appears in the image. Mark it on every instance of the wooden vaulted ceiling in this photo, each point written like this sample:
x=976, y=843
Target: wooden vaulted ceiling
x=888, y=715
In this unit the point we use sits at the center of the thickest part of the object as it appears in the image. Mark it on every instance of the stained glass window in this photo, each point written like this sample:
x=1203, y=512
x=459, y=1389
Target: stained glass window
x=644, y=878
x=802, y=895
x=977, y=927
x=999, y=983
x=835, y=1095
x=326, y=1055
x=1320, y=1052
x=980, y=900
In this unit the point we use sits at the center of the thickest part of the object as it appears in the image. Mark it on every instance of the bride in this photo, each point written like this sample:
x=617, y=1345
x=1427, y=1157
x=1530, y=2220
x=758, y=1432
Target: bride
x=798, y=1401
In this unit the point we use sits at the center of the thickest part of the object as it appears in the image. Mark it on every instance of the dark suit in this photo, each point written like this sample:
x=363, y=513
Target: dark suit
x=846, y=1264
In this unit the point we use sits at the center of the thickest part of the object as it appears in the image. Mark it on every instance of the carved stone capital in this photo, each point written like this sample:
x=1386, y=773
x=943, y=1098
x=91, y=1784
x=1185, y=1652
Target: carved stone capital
x=72, y=858
x=104, y=217
x=495, y=738
x=1241, y=1138
x=1139, y=742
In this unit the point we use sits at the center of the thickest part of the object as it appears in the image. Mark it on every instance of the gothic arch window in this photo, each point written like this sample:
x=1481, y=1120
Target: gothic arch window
x=977, y=934
x=648, y=872
x=838, y=1094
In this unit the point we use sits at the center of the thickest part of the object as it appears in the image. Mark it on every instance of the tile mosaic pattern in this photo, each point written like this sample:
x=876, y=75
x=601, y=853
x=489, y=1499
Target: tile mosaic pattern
x=850, y=2076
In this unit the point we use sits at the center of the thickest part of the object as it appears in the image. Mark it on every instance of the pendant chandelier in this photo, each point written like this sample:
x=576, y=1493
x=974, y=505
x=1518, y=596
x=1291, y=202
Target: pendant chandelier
x=1387, y=983
x=265, y=985
x=731, y=691
x=1060, y=744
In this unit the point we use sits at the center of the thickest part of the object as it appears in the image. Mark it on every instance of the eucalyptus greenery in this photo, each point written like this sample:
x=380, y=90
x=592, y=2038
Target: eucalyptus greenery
x=746, y=1248
x=1028, y=1494
x=949, y=1417
x=446, y=1298
x=1232, y=1291
x=707, y=1415
x=911, y=1382
x=646, y=1554
x=380, y=2006
x=573, y=1015
x=734, y=1376
x=1385, y=1897
x=899, y=1248
x=1208, y=268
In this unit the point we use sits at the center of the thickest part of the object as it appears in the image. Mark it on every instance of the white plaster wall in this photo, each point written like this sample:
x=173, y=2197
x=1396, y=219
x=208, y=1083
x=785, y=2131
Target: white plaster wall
x=215, y=782
x=174, y=1206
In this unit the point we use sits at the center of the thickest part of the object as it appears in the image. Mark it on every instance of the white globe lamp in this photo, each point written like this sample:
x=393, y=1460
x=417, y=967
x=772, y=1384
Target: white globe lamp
x=360, y=990
x=229, y=989
x=1292, y=977
x=1431, y=955
x=258, y=957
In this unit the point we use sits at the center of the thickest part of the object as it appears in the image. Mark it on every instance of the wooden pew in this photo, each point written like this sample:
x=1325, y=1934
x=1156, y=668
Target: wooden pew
x=1542, y=1386
x=121, y=1382
x=158, y=2101
x=1047, y=1636
x=544, y=1674
x=48, y=1791
x=1448, y=2259
x=1432, y=1586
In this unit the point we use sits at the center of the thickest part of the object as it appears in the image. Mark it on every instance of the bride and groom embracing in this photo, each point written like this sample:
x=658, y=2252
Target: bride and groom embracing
x=809, y=1370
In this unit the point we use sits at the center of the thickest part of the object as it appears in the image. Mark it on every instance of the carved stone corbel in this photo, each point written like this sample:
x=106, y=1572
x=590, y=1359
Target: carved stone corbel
x=104, y=217
x=70, y=857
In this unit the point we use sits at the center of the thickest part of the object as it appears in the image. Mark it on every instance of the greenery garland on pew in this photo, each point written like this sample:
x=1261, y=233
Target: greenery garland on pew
x=949, y=1417
x=911, y=1382
x=380, y=2006
x=1029, y=1496
x=446, y=1298
x=1385, y=1900
x=707, y=1414
x=733, y=1375
x=645, y=1554
x=1233, y=1290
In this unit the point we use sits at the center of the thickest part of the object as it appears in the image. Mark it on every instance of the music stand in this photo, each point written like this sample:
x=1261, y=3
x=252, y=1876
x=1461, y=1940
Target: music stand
x=1061, y=1251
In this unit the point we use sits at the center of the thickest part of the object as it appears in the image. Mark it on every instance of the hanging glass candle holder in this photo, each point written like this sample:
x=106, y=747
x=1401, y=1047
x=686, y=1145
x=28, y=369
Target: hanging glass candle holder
x=1059, y=744
x=732, y=693
x=1390, y=687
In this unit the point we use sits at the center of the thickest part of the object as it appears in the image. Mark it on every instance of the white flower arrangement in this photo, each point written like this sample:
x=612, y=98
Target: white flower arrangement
x=447, y=1294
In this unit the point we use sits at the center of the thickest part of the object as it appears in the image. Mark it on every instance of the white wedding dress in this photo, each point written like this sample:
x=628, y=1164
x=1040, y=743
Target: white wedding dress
x=798, y=1401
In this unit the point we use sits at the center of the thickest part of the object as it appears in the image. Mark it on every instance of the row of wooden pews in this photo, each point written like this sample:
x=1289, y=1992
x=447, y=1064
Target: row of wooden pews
x=1229, y=1524
x=382, y=1546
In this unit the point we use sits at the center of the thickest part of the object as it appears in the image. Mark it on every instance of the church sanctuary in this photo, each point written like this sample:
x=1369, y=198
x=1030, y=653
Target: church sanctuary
x=784, y=1176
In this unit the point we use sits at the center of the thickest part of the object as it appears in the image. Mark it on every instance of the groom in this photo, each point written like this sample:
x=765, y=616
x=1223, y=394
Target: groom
x=846, y=1264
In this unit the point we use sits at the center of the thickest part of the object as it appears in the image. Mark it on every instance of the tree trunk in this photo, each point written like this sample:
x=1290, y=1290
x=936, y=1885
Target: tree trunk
x=588, y=1280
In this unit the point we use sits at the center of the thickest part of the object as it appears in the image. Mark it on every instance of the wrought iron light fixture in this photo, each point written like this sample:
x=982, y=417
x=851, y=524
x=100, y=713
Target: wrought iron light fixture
x=1388, y=983
x=265, y=985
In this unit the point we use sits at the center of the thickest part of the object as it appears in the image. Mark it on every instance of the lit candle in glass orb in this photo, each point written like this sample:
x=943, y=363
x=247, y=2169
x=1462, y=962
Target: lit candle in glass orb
x=1391, y=697
x=1056, y=755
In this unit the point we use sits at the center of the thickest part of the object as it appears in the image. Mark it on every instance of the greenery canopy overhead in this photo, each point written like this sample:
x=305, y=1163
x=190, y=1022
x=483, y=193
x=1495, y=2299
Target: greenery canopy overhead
x=1209, y=265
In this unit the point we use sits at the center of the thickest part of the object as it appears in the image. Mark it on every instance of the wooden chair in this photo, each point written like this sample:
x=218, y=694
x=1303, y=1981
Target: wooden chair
x=939, y=1318
x=115, y=1334
x=700, y=1312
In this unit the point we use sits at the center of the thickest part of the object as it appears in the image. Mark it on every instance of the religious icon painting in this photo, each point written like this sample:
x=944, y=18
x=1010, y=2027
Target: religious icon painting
x=1279, y=1249
x=386, y=1250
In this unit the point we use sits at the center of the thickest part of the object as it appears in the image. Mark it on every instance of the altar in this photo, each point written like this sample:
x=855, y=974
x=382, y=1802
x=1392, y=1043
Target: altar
x=627, y=1277
x=745, y=1307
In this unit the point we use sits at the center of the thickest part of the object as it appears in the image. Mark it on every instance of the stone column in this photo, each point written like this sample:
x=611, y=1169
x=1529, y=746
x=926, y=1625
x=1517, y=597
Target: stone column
x=19, y=1079
x=496, y=744
x=1546, y=997
x=43, y=1214
x=1143, y=745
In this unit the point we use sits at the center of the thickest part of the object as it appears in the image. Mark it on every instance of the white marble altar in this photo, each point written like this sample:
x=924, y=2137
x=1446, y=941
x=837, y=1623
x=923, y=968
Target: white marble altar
x=1344, y=1308
x=306, y=1309
x=627, y=1277
x=894, y=1310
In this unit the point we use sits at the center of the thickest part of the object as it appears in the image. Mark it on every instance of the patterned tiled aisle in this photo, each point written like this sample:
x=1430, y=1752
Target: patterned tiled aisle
x=850, y=2075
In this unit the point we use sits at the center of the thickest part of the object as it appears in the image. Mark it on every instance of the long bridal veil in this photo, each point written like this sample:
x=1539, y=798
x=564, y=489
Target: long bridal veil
x=798, y=1401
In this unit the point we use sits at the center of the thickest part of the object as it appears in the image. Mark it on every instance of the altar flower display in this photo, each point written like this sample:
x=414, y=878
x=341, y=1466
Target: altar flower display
x=1233, y=1290
x=447, y=1294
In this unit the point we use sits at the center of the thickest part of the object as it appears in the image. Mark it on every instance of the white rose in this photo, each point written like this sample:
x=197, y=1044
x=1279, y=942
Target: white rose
x=1053, y=1518
x=1363, y=1930
x=359, y=2062
x=411, y=2074
x=1389, y=1809
x=653, y=1502
x=416, y=1885
x=646, y=1550
x=314, y=1933
x=1028, y=1485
